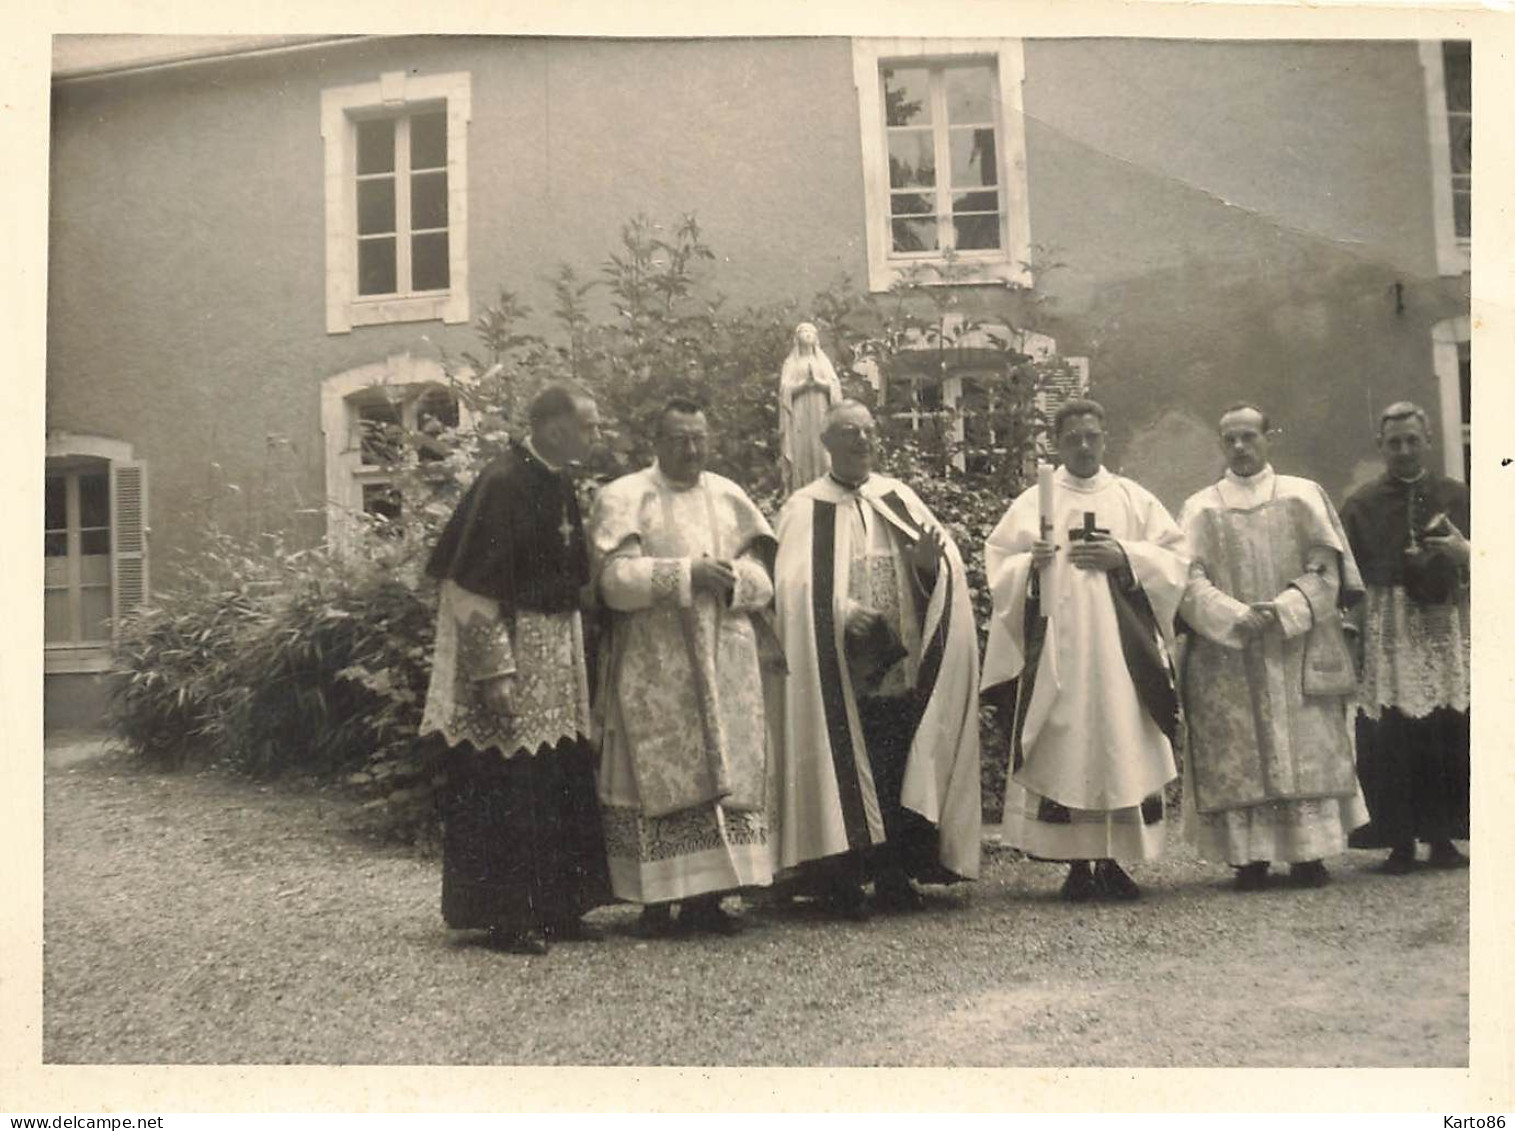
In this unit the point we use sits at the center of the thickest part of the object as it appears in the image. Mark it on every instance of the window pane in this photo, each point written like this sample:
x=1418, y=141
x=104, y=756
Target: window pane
x=428, y=261
x=976, y=233
x=975, y=202
x=94, y=500
x=912, y=204
x=437, y=408
x=1462, y=214
x=914, y=235
x=970, y=94
x=1457, y=61
x=381, y=433
x=973, y=160
x=376, y=266
x=907, y=96
x=94, y=568
x=94, y=611
x=1460, y=127
x=55, y=545
x=428, y=140
x=55, y=507
x=428, y=201
x=912, y=159
x=376, y=207
x=95, y=542
x=376, y=146
x=55, y=626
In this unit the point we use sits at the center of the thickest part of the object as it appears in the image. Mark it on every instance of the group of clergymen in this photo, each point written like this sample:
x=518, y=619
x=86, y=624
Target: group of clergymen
x=804, y=706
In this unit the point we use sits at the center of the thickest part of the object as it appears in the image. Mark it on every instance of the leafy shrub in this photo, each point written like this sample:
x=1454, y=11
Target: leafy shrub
x=267, y=658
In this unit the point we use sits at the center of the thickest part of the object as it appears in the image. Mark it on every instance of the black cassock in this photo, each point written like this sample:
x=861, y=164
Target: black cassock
x=1414, y=770
x=522, y=845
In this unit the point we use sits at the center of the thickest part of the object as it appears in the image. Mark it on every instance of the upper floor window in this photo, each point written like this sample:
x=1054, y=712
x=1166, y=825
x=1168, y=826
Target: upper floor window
x=396, y=200
x=943, y=159
x=1447, y=67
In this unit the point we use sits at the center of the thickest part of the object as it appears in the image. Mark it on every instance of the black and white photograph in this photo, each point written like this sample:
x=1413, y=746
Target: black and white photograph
x=874, y=545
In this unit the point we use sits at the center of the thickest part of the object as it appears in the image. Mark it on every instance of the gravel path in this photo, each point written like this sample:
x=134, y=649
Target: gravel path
x=195, y=918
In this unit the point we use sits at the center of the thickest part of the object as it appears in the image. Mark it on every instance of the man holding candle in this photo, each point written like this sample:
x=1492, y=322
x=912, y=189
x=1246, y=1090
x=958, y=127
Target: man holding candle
x=1267, y=676
x=1086, y=574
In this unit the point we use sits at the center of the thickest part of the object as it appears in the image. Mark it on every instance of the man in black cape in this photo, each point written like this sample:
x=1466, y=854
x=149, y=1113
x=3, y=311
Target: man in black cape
x=1409, y=531
x=523, y=854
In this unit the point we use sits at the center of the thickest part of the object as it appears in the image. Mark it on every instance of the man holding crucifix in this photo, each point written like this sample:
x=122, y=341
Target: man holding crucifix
x=1086, y=573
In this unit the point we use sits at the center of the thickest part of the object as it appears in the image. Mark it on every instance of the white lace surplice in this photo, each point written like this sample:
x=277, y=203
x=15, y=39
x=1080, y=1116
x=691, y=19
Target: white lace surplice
x=1416, y=658
x=545, y=653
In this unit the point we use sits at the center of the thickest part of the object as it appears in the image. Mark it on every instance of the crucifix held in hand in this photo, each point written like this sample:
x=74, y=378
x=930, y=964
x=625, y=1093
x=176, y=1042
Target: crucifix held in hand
x=1087, y=531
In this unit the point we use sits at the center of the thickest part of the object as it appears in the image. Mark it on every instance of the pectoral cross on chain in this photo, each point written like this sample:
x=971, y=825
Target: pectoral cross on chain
x=1087, y=531
x=565, y=528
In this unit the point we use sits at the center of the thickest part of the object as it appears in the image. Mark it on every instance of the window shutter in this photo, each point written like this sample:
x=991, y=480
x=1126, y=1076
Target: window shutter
x=128, y=481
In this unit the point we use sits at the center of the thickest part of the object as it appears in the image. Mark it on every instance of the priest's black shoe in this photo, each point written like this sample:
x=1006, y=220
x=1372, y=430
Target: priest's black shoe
x=1401, y=861
x=573, y=930
x=1446, y=856
x=1113, y=882
x=1080, y=886
x=655, y=922
x=518, y=942
x=897, y=894
x=847, y=901
x=1309, y=874
x=1253, y=876
x=706, y=917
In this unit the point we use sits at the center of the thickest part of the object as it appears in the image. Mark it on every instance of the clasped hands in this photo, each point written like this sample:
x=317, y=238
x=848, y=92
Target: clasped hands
x=1259, y=617
x=713, y=576
x=1094, y=551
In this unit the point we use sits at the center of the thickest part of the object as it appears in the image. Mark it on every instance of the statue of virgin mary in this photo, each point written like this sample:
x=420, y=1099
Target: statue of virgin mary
x=808, y=386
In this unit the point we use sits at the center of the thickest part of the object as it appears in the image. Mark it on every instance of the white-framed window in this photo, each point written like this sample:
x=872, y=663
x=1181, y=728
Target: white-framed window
x=1452, y=358
x=957, y=402
x=396, y=200
x=1447, y=67
x=944, y=159
x=94, y=548
x=378, y=419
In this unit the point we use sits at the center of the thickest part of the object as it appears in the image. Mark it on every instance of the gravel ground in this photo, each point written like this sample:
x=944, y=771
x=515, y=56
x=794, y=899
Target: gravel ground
x=196, y=918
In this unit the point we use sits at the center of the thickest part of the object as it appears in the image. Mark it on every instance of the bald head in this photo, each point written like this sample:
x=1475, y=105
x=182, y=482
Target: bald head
x=848, y=435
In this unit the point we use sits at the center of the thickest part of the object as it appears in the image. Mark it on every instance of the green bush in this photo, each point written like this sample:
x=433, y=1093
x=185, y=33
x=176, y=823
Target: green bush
x=266, y=658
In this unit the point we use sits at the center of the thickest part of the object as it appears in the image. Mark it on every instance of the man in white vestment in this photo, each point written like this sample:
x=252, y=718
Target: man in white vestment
x=1267, y=675
x=879, y=767
x=681, y=556
x=1086, y=574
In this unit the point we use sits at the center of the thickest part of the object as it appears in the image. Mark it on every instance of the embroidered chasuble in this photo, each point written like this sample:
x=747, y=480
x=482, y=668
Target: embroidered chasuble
x=842, y=550
x=1091, y=738
x=684, y=741
x=521, y=840
x=1270, y=773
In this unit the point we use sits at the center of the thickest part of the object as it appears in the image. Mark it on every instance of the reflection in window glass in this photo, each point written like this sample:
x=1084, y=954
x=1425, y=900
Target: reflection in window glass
x=376, y=207
x=941, y=123
x=55, y=506
x=428, y=201
x=970, y=95
x=428, y=261
x=907, y=96
x=94, y=500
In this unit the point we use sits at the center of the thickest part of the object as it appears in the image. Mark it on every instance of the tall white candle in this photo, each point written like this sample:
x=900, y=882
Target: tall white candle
x=1045, y=497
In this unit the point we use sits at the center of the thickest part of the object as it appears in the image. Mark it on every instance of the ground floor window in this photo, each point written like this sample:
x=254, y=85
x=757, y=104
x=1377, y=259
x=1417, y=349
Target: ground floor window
x=94, y=548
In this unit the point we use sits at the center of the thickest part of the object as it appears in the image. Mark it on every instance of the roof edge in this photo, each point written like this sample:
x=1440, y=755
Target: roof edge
x=197, y=58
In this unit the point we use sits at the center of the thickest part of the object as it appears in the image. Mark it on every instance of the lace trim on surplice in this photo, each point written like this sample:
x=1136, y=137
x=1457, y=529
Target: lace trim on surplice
x=1416, y=657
